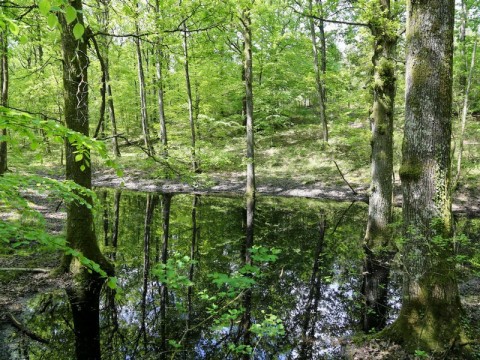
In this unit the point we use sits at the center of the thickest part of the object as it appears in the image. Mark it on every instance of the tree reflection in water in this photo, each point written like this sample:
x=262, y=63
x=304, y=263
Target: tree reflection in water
x=311, y=289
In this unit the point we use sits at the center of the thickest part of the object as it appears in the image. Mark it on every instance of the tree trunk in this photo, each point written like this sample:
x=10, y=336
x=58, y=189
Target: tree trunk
x=160, y=93
x=318, y=79
x=106, y=90
x=189, y=98
x=143, y=98
x=250, y=186
x=247, y=34
x=84, y=293
x=161, y=102
x=111, y=108
x=431, y=310
x=464, y=115
x=4, y=99
x=462, y=45
x=378, y=241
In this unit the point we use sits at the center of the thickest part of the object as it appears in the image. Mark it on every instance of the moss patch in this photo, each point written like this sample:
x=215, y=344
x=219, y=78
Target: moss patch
x=410, y=170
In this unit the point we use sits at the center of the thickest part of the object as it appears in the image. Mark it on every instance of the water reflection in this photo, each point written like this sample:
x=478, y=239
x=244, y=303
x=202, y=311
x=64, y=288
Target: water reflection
x=183, y=275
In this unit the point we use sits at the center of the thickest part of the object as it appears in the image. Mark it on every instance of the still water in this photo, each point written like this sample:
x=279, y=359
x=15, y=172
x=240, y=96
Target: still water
x=182, y=280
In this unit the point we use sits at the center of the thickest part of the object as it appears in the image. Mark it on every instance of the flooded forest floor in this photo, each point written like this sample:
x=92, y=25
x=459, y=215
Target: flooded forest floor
x=17, y=286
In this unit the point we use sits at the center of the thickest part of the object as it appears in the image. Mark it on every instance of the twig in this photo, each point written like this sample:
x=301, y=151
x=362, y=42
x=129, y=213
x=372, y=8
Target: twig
x=343, y=177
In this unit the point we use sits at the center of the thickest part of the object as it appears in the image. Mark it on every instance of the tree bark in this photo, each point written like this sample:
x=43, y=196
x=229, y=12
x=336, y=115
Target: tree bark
x=378, y=242
x=431, y=311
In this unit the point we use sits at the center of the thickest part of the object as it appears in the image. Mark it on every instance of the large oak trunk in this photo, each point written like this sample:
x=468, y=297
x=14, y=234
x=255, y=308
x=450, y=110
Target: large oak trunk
x=431, y=310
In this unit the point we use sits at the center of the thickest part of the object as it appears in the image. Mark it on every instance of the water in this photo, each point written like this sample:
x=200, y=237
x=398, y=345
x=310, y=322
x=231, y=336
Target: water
x=305, y=288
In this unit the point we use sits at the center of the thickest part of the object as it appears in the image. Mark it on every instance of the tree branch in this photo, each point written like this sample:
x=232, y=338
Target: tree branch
x=343, y=177
x=341, y=22
x=18, y=325
x=46, y=117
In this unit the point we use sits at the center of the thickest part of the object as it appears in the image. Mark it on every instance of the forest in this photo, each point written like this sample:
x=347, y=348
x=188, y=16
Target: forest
x=239, y=179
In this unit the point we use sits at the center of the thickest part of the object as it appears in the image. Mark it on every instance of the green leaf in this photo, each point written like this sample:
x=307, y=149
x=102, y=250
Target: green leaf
x=14, y=28
x=82, y=167
x=112, y=282
x=23, y=39
x=70, y=15
x=78, y=31
x=78, y=157
x=44, y=7
x=52, y=20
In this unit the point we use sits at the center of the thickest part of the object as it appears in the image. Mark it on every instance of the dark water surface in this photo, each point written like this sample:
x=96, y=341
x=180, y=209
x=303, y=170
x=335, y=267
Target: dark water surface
x=305, y=280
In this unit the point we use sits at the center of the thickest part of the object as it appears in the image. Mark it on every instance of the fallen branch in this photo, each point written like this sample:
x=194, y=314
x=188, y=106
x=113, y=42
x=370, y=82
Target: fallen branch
x=18, y=325
x=343, y=177
x=35, y=270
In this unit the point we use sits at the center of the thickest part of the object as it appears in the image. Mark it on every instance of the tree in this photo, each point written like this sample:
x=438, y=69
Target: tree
x=319, y=67
x=378, y=239
x=431, y=310
x=84, y=293
x=191, y=119
x=160, y=80
x=250, y=186
x=143, y=93
x=4, y=96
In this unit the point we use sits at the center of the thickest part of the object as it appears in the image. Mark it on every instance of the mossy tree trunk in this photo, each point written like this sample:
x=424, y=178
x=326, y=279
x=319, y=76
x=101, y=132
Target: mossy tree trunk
x=431, y=311
x=378, y=242
x=84, y=293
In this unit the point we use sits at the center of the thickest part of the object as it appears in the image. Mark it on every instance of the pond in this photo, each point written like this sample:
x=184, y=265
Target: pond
x=183, y=281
